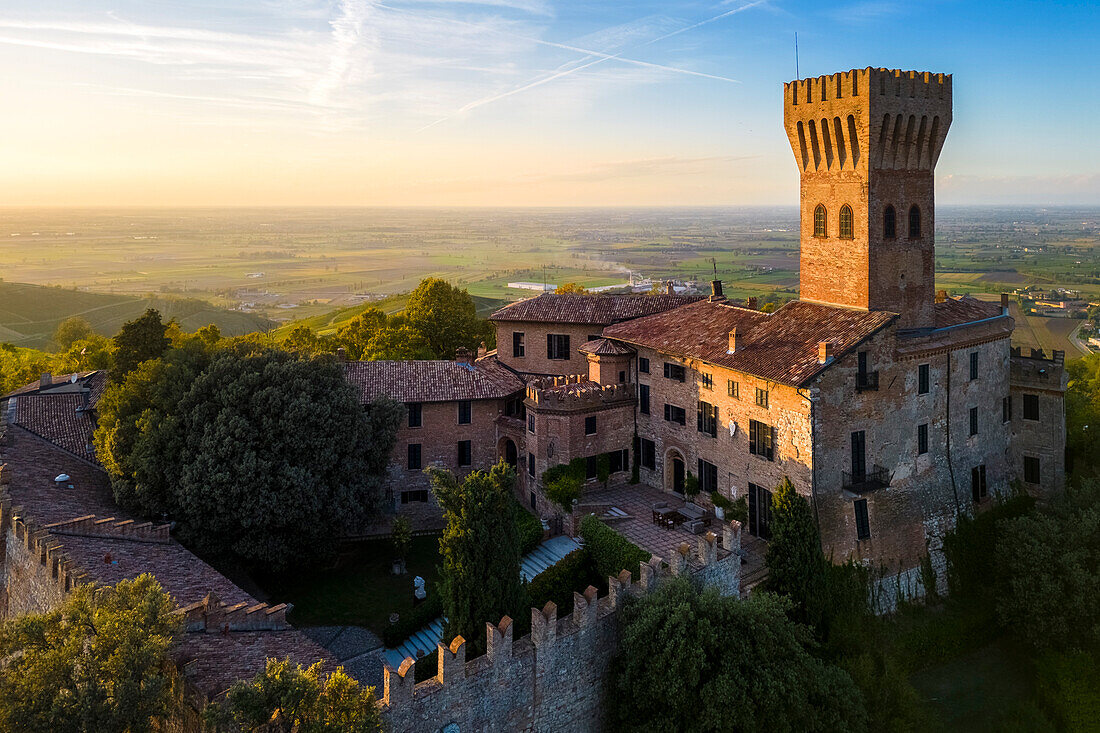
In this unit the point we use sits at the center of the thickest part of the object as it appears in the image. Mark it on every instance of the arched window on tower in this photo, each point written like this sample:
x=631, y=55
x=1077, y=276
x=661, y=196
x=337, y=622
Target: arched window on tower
x=820, y=221
x=914, y=222
x=889, y=223
x=845, y=222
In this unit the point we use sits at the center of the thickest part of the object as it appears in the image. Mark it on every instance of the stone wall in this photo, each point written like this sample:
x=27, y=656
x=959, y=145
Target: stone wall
x=1034, y=374
x=535, y=360
x=550, y=680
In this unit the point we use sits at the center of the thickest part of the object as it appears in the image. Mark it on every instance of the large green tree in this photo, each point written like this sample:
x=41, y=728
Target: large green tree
x=445, y=317
x=138, y=341
x=286, y=698
x=796, y=564
x=99, y=662
x=1083, y=413
x=481, y=550
x=256, y=453
x=695, y=661
x=70, y=331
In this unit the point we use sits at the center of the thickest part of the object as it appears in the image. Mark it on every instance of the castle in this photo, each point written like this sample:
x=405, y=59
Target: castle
x=891, y=407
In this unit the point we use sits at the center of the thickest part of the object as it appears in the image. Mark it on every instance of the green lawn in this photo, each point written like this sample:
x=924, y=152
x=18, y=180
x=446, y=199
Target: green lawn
x=359, y=590
x=978, y=691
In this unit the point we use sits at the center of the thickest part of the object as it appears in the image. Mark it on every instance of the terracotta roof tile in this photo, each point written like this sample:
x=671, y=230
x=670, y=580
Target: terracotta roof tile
x=62, y=419
x=432, y=381
x=605, y=347
x=781, y=346
x=596, y=310
x=955, y=311
x=213, y=662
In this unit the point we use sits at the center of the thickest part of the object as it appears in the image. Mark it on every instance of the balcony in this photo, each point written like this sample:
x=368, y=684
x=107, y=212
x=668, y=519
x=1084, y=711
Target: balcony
x=876, y=477
x=867, y=381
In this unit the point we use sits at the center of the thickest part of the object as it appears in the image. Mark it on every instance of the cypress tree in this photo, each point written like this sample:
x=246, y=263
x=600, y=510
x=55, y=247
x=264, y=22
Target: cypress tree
x=796, y=564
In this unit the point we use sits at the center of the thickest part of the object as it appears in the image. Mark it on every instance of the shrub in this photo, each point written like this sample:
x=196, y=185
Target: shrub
x=530, y=530
x=564, y=483
x=970, y=547
x=611, y=552
x=1069, y=689
x=573, y=573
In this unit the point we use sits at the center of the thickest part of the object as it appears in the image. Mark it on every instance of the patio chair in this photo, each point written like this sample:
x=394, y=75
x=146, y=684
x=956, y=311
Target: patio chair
x=658, y=509
x=695, y=526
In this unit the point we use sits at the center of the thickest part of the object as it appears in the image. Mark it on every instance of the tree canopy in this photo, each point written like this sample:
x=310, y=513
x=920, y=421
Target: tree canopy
x=481, y=551
x=97, y=662
x=445, y=317
x=796, y=564
x=695, y=661
x=256, y=453
x=287, y=698
x=138, y=341
x=70, y=331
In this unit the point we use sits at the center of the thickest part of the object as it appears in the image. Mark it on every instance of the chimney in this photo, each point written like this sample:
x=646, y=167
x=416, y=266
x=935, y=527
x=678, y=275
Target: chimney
x=45, y=381
x=750, y=303
x=716, y=291
x=462, y=355
x=482, y=350
x=1004, y=304
x=669, y=290
x=341, y=354
x=941, y=296
x=826, y=351
x=733, y=341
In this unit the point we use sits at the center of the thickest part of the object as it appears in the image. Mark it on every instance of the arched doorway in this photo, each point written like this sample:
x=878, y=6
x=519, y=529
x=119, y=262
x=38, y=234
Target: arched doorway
x=676, y=472
x=509, y=453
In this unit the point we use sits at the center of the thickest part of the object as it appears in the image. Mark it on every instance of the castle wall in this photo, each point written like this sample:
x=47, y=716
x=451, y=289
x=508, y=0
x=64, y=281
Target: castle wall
x=787, y=412
x=535, y=360
x=29, y=586
x=1044, y=438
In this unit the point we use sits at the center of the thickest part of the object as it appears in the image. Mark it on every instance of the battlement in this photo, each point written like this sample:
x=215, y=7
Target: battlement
x=126, y=529
x=558, y=651
x=575, y=392
x=1033, y=369
x=211, y=616
x=42, y=545
x=867, y=82
x=868, y=119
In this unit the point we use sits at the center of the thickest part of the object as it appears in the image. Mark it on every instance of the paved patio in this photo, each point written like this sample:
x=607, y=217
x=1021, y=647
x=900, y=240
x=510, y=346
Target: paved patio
x=628, y=509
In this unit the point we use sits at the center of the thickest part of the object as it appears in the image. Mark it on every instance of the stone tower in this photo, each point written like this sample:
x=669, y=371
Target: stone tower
x=866, y=143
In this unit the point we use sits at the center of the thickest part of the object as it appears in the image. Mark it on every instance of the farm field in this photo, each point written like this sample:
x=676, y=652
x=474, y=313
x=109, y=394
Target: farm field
x=323, y=266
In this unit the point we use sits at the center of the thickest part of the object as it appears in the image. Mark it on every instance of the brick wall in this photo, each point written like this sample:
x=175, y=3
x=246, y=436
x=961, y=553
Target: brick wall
x=535, y=359
x=1044, y=438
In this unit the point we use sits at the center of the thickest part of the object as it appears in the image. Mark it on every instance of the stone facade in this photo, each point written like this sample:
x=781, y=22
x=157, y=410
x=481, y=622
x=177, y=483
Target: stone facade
x=536, y=353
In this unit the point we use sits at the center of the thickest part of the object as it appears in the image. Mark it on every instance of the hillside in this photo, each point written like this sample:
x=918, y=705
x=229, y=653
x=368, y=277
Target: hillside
x=29, y=314
x=328, y=323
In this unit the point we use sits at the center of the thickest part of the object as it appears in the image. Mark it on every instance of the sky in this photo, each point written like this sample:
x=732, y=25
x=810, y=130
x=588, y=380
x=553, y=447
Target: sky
x=515, y=102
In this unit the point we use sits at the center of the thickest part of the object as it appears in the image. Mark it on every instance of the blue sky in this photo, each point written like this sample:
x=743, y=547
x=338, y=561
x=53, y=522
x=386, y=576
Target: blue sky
x=514, y=102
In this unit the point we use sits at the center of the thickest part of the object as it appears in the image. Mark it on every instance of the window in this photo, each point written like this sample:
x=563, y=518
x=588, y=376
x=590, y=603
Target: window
x=514, y=407
x=846, y=222
x=414, y=463
x=407, y=497
x=889, y=223
x=622, y=376
x=733, y=389
x=530, y=423
x=708, y=419
x=859, y=456
x=973, y=420
x=618, y=460
x=863, y=525
x=1031, y=407
x=531, y=464
x=762, y=440
x=643, y=398
x=708, y=477
x=922, y=379
x=643, y=365
x=648, y=458
x=675, y=414
x=557, y=346
x=464, y=412
x=978, y=490
x=706, y=381
x=416, y=415
x=591, y=467
x=675, y=371
x=518, y=350
x=534, y=501
x=820, y=221
x=465, y=453
x=1031, y=469
x=760, y=511
x=590, y=425
x=1006, y=409
x=914, y=222
x=973, y=365
x=922, y=439
x=762, y=397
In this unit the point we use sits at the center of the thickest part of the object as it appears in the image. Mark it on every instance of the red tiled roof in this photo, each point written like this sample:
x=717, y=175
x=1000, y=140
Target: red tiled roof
x=605, y=347
x=213, y=662
x=956, y=311
x=59, y=418
x=781, y=346
x=92, y=382
x=432, y=381
x=595, y=310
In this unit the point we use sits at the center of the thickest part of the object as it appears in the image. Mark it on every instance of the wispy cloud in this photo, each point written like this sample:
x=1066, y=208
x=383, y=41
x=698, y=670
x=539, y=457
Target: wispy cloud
x=347, y=34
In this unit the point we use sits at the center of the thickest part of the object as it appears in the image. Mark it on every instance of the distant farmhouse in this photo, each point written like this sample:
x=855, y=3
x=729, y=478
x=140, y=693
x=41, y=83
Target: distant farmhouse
x=892, y=408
